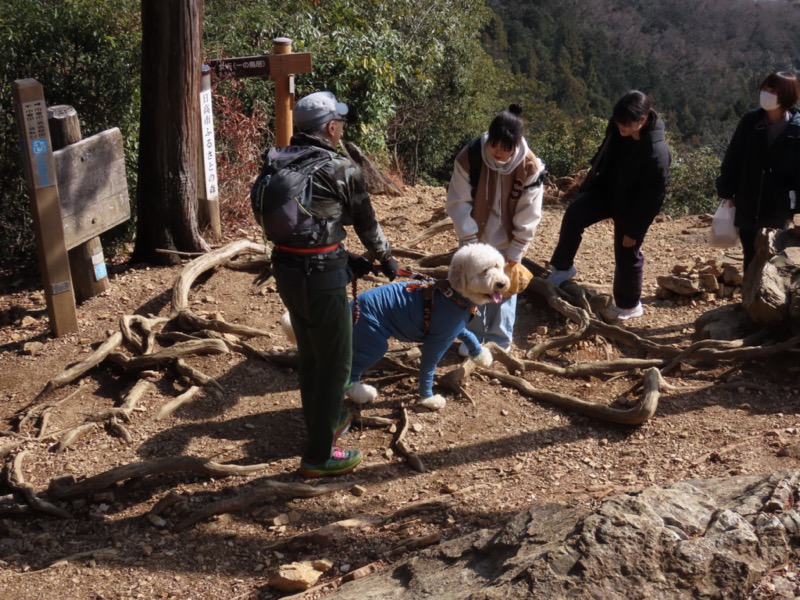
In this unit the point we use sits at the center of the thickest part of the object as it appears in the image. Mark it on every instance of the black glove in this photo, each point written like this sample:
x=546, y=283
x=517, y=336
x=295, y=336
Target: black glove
x=359, y=265
x=389, y=268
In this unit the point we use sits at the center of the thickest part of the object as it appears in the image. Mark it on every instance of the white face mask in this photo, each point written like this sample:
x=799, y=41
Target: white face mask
x=768, y=100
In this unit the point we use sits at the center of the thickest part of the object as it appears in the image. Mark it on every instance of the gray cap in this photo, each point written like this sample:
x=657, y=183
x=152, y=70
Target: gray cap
x=316, y=109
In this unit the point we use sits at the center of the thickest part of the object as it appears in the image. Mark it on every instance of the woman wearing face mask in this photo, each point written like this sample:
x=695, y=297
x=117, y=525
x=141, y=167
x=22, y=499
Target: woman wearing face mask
x=627, y=183
x=495, y=197
x=760, y=173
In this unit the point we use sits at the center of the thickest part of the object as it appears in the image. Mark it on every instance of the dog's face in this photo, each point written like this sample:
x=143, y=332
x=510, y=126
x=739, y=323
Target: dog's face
x=476, y=272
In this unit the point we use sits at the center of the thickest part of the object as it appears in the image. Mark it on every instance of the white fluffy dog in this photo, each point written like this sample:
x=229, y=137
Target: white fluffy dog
x=434, y=314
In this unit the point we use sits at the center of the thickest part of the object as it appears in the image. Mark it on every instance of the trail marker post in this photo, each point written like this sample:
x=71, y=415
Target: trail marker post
x=281, y=66
x=40, y=176
x=208, y=184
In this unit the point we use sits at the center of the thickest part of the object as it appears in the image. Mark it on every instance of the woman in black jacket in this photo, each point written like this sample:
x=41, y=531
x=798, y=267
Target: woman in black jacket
x=627, y=182
x=761, y=170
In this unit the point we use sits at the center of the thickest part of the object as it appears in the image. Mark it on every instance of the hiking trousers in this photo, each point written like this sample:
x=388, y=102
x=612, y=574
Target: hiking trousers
x=322, y=323
x=586, y=210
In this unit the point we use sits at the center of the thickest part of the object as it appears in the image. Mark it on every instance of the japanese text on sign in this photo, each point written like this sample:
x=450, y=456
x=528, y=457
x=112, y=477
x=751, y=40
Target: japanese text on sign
x=34, y=115
x=208, y=148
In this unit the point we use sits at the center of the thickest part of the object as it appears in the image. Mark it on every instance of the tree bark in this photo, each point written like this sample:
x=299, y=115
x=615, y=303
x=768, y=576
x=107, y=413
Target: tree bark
x=169, y=129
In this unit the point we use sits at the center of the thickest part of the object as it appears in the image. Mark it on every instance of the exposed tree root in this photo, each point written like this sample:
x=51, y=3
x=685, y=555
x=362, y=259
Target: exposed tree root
x=403, y=448
x=258, y=494
x=637, y=415
x=16, y=481
x=158, y=466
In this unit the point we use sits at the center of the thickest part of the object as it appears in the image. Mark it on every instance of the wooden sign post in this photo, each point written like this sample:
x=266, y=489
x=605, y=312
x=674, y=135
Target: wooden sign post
x=281, y=66
x=40, y=176
x=208, y=185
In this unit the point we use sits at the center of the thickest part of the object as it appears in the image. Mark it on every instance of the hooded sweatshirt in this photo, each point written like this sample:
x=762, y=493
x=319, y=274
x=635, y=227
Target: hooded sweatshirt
x=507, y=206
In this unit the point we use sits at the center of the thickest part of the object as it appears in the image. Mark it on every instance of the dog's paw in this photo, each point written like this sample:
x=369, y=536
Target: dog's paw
x=435, y=402
x=286, y=325
x=361, y=393
x=484, y=359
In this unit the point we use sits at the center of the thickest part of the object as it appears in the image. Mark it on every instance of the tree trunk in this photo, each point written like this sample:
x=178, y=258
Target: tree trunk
x=169, y=130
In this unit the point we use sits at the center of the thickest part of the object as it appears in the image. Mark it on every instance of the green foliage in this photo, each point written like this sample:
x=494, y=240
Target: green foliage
x=565, y=145
x=413, y=72
x=85, y=54
x=693, y=175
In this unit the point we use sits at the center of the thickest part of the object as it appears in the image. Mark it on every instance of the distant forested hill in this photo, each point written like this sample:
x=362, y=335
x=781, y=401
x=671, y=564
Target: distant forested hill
x=702, y=60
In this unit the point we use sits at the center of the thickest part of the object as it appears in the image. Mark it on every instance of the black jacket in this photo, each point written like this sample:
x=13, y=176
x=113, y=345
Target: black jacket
x=758, y=176
x=340, y=198
x=632, y=175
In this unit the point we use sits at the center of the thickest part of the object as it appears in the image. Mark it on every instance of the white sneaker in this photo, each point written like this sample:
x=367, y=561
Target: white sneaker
x=623, y=314
x=557, y=276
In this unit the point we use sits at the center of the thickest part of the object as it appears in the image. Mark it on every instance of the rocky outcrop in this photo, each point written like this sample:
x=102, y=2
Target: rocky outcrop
x=716, y=538
x=771, y=293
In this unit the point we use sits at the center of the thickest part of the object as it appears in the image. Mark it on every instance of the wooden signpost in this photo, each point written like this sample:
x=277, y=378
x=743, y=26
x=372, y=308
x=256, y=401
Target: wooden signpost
x=40, y=176
x=281, y=66
x=208, y=184
x=76, y=193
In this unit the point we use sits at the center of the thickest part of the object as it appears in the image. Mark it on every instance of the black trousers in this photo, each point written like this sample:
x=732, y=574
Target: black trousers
x=322, y=323
x=586, y=210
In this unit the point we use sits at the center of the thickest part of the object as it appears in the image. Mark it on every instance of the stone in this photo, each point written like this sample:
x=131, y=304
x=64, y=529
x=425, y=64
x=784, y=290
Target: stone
x=297, y=576
x=683, y=286
x=32, y=348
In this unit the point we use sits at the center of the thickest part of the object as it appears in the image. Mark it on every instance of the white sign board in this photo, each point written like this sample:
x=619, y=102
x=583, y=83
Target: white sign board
x=207, y=148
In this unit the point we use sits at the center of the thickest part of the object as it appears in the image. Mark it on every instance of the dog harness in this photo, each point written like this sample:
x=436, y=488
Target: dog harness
x=429, y=288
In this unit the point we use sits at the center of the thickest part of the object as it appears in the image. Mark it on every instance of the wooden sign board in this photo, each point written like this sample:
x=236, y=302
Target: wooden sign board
x=92, y=186
x=275, y=65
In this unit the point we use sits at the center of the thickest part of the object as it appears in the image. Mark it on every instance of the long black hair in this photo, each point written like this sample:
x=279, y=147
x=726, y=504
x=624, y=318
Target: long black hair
x=506, y=129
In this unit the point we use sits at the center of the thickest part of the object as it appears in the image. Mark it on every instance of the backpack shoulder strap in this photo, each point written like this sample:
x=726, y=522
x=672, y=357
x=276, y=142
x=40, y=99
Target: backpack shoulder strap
x=475, y=163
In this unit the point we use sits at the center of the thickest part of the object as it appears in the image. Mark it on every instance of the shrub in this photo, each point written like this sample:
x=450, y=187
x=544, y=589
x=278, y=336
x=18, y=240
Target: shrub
x=85, y=53
x=692, y=190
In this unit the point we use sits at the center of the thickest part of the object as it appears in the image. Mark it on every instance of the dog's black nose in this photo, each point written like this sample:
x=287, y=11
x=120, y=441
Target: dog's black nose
x=500, y=285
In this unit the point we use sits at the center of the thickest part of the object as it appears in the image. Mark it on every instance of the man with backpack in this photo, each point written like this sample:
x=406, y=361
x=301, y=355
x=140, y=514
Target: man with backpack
x=312, y=268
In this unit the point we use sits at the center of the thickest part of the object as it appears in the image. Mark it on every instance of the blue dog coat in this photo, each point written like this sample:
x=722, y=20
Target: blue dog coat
x=393, y=311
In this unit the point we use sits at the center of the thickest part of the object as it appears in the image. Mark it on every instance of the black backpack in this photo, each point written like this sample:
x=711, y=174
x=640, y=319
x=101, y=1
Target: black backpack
x=281, y=195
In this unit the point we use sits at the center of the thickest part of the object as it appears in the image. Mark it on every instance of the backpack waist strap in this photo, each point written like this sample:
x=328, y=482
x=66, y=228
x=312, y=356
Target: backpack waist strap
x=306, y=251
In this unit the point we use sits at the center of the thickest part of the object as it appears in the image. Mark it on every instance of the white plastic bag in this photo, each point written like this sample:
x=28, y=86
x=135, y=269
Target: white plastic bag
x=723, y=231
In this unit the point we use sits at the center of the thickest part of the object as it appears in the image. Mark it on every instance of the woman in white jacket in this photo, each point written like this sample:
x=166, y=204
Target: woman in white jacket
x=495, y=197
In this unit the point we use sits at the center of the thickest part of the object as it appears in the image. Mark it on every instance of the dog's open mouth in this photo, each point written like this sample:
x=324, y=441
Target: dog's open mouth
x=496, y=297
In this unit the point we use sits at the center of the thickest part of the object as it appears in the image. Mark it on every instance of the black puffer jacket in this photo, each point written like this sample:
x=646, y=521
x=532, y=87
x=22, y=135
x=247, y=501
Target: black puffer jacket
x=758, y=176
x=632, y=175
